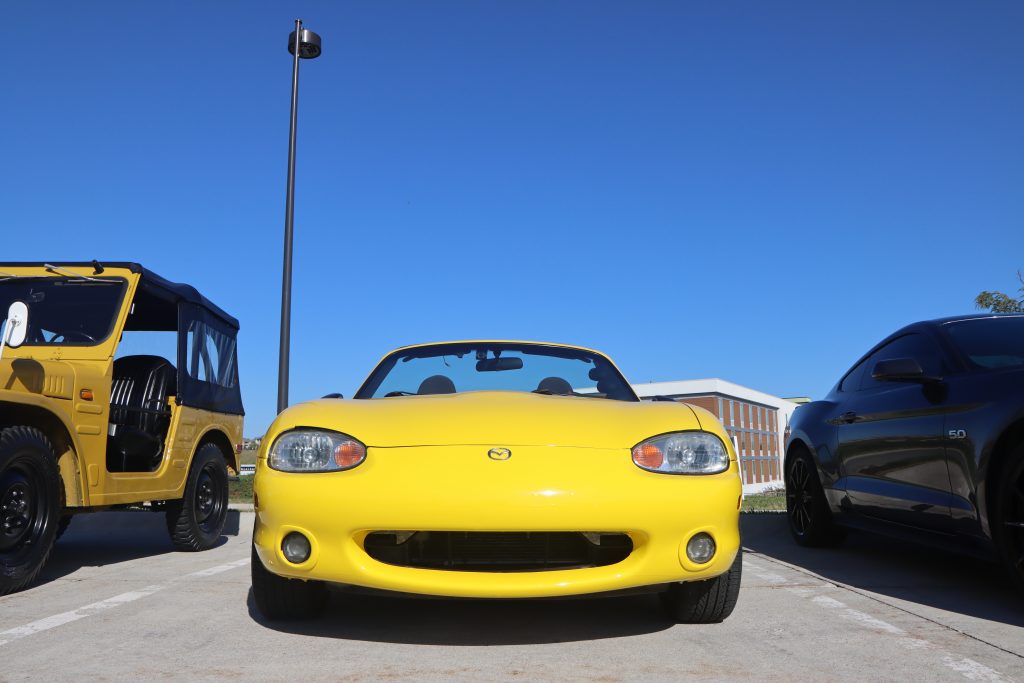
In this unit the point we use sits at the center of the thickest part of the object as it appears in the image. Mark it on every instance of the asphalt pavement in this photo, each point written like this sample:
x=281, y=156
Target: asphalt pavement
x=116, y=603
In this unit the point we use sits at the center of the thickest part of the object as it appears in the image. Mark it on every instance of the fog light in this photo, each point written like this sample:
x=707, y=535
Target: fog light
x=700, y=548
x=296, y=548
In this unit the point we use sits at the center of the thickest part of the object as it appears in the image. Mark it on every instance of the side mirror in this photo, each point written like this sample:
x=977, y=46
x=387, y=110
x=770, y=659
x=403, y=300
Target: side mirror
x=334, y=396
x=900, y=370
x=17, y=325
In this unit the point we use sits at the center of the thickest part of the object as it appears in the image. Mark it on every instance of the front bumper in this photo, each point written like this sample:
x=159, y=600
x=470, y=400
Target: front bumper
x=459, y=489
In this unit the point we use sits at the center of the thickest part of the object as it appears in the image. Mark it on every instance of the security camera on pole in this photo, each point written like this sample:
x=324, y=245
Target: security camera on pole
x=302, y=44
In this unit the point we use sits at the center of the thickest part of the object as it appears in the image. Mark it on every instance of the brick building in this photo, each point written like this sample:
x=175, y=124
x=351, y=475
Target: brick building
x=756, y=421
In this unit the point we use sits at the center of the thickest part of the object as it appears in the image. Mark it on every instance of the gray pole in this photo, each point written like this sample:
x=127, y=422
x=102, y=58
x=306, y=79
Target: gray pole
x=289, y=219
x=303, y=44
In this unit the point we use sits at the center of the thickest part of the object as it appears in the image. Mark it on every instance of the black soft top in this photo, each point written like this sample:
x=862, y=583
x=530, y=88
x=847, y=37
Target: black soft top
x=150, y=281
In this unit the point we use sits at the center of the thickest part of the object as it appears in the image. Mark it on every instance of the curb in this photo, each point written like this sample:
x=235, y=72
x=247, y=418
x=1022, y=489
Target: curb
x=241, y=507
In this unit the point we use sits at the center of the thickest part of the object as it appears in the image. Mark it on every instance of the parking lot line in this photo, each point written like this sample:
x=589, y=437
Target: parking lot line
x=53, y=621
x=966, y=667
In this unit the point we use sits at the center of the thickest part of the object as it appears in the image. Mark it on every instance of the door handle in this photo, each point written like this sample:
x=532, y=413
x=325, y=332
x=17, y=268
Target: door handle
x=848, y=417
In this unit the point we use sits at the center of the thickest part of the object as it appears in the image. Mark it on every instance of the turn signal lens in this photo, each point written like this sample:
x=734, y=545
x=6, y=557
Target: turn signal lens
x=349, y=454
x=648, y=456
x=86, y=394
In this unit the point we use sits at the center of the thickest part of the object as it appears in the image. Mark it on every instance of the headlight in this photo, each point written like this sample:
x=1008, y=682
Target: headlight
x=683, y=453
x=314, y=450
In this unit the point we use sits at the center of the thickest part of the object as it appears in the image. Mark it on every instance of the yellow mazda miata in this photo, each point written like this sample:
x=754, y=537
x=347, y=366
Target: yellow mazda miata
x=497, y=469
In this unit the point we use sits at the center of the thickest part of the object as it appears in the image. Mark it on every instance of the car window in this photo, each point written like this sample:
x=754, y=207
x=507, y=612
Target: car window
x=990, y=342
x=852, y=380
x=914, y=345
x=496, y=366
x=211, y=355
x=65, y=311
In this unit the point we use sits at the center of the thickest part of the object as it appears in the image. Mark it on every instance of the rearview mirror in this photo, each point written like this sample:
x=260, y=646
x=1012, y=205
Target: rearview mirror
x=17, y=325
x=498, y=364
x=900, y=370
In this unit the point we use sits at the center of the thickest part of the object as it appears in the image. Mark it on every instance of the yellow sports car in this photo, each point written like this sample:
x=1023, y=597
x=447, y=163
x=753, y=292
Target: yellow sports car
x=497, y=469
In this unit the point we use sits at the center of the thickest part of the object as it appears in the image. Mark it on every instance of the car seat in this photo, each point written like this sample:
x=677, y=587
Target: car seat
x=436, y=384
x=139, y=414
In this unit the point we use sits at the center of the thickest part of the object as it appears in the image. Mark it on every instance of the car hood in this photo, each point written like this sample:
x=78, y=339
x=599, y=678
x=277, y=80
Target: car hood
x=492, y=418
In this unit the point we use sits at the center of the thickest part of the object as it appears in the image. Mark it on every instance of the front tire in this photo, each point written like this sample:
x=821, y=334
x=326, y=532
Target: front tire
x=196, y=521
x=278, y=598
x=30, y=495
x=1008, y=520
x=705, y=602
x=810, y=519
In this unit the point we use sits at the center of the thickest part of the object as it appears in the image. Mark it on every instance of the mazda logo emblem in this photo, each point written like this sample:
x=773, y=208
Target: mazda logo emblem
x=499, y=454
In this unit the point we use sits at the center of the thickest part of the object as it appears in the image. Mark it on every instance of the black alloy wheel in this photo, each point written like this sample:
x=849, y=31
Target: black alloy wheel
x=196, y=521
x=30, y=490
x=1009, y=519
x=810, y=520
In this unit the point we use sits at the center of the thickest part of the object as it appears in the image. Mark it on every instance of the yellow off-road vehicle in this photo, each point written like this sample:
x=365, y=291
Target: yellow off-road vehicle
x=85, y=427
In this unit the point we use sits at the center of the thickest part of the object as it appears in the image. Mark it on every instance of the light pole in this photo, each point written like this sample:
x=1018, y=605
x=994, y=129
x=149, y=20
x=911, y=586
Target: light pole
x=302, y=44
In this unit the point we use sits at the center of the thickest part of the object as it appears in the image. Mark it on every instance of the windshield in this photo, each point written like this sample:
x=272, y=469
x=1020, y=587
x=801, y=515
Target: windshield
x=492, y=366
x=990, y=342
x=64, y=311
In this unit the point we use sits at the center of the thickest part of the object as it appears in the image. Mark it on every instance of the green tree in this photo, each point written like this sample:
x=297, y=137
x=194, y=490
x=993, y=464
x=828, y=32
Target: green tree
x=998, y=302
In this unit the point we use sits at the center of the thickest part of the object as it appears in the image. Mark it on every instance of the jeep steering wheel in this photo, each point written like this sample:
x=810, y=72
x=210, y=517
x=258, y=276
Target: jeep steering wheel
x=65, y=337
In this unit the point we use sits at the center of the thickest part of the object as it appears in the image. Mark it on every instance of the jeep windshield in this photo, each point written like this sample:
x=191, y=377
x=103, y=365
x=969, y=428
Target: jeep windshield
x=496, y=366
x=64, y=311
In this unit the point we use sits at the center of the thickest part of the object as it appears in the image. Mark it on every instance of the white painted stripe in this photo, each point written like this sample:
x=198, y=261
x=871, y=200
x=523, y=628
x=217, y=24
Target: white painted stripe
x=51, y=622
x=218, y=569
x=968, y=668
x=858, y=616
x=56, y=620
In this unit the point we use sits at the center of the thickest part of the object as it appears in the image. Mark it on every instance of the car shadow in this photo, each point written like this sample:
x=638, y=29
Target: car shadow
x=894, y=568
x=418, y=620
x=105, y=538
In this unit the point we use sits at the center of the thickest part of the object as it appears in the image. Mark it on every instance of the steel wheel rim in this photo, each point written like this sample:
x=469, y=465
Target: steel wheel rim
x=22, y=514
x=798, y=496
x=209, y=500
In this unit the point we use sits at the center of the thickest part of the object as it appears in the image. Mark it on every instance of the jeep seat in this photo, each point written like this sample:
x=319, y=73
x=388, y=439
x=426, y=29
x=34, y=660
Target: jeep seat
x=139, y=414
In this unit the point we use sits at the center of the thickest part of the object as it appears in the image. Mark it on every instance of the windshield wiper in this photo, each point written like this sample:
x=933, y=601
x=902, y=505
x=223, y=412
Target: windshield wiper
x=548, y=392
x=66, y=271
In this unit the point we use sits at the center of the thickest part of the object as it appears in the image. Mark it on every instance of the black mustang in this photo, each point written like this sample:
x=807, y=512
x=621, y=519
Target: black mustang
x=923, y=438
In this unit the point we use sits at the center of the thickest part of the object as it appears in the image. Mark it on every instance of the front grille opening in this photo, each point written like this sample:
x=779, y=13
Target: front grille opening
x=498, y=551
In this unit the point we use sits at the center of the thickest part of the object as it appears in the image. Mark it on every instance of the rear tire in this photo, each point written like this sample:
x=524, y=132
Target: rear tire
x=807, y=511
x=196, y=521
x=30, y=495
x=278, y=598
x=1008, y=520
x=705, y=602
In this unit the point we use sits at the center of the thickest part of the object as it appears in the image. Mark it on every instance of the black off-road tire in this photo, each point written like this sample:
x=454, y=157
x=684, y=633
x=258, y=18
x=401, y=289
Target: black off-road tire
x=278, y=598
x=197, y=520
x=1008, y=517
x=807, y=511
x=705, y=602
x=30, y=502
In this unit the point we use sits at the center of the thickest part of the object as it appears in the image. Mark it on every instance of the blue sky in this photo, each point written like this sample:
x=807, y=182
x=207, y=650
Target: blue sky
x=746, y=190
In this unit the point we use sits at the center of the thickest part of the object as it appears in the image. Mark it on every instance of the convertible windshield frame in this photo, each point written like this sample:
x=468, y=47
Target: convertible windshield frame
x=91, y=282
x=460, y=349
